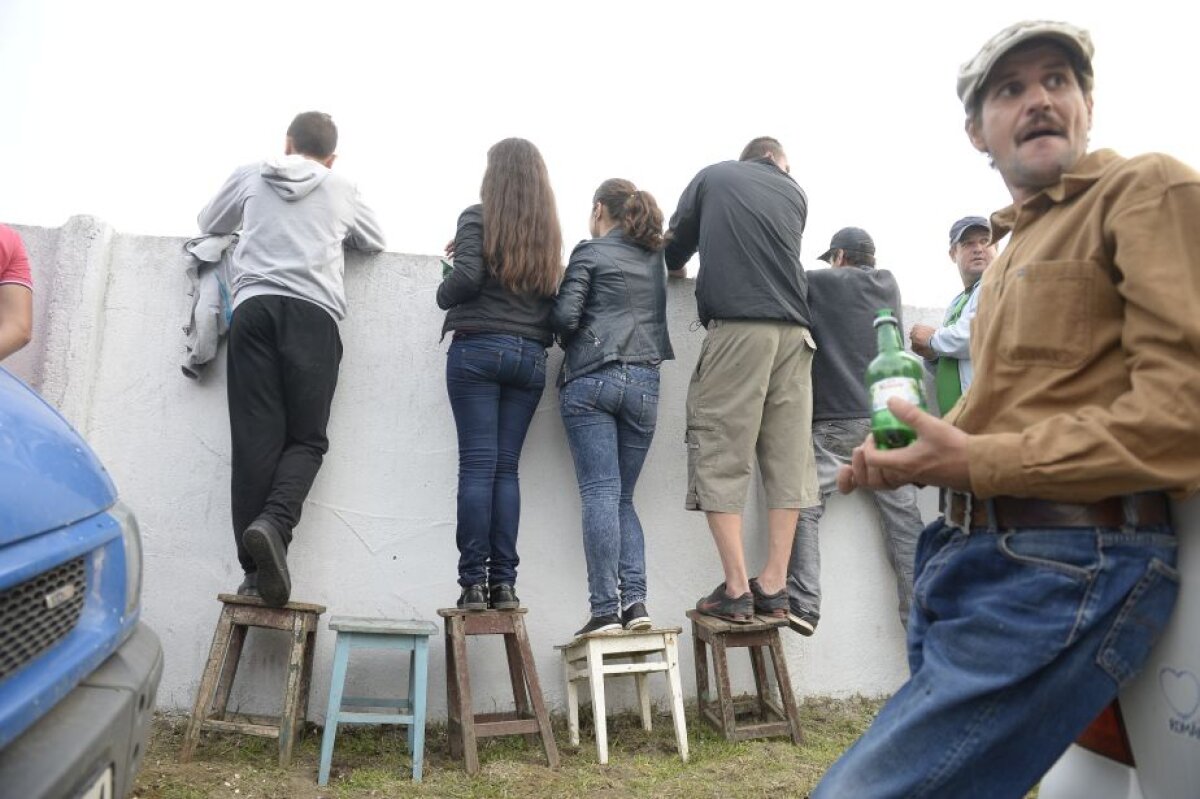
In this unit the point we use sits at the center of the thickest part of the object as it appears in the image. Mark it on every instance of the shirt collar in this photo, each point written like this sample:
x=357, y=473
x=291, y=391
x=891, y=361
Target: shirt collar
x=1087, y=171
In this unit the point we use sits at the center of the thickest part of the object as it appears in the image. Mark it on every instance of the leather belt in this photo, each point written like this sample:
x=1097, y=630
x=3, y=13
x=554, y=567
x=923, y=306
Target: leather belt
x=1135, y=509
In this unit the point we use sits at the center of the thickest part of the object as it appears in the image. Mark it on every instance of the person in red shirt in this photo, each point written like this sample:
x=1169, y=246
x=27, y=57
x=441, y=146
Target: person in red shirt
x=16, y=294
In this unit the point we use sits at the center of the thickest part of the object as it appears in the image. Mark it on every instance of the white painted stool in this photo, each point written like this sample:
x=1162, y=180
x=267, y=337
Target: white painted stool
x=596, y=656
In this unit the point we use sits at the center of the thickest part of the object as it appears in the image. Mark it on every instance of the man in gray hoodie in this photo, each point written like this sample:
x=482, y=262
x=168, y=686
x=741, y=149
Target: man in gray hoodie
x=294, y=216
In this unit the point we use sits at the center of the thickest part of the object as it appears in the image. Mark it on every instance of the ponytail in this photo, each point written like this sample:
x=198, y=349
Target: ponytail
x=635, y=211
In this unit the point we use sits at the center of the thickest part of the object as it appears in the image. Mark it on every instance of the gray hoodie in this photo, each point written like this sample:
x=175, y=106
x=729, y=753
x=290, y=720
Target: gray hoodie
x=294, y=216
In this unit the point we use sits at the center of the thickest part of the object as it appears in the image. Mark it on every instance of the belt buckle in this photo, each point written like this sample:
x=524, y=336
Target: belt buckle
x=967, y=509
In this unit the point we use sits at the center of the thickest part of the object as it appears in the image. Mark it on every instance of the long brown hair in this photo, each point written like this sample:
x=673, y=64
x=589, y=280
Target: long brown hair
x=635, y=211
x=522, y=240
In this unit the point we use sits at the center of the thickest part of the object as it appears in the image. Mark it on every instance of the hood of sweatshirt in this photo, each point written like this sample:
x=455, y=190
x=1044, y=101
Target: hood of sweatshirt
x=293, y=177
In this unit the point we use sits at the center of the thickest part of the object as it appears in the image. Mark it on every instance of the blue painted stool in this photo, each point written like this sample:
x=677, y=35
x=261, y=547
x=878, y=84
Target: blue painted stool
x=367, y=633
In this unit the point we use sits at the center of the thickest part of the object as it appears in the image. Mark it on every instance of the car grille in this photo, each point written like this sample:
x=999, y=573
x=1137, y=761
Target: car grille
x=39, y=612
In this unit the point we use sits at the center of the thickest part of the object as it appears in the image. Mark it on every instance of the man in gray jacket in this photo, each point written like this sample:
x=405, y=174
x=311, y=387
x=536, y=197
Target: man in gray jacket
x=844, y=300
x=294, y=216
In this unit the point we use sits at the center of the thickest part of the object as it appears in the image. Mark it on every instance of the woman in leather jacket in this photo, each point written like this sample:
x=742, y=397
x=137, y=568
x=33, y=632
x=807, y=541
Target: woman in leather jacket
x=498, y=298
x=610, y=315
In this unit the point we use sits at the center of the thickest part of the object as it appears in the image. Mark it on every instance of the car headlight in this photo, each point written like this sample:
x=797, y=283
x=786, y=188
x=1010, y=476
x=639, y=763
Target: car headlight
x=132, y=541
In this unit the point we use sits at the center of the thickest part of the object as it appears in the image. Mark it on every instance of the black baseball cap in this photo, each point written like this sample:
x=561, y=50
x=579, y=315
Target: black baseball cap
x=849, y=238
x=960, y=228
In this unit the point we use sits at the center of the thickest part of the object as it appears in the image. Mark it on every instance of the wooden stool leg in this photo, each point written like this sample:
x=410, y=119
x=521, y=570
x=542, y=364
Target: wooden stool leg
x=291, y=694
x=572, y=701
x=761, y=685
x=418, y=689
x=453, y=722
x=233, y=656
x=535, y=693
x=671, y=655
x=724, y=696
x=517, y=678
x=595, y=665
x=700, y=660
x=462, y=677
x=785, y=688
x=337, y=686
x=643, y=692
x=208, y=680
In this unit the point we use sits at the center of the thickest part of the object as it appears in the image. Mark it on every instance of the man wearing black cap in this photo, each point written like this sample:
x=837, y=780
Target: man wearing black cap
x=843, y=301
x=949, y=346
x=1052, y=575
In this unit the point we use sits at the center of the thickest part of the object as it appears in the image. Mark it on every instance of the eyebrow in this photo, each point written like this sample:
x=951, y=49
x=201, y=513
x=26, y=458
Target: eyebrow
x=1055, y=65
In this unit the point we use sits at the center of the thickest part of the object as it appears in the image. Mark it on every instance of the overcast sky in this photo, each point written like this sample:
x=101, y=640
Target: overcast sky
x=136, y=112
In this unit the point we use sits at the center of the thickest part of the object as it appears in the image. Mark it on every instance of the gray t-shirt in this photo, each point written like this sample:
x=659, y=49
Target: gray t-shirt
x=843, y=301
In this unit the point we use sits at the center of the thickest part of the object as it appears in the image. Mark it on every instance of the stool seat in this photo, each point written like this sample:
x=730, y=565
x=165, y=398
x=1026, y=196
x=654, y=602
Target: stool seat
x=360, y=632
x=464, y=726
x=594, y=656
x=760, y=637
x=238, y=615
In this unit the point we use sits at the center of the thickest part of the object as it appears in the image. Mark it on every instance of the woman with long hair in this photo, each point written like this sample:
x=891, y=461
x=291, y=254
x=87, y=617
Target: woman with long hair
x=498, y=299
x=611, y=316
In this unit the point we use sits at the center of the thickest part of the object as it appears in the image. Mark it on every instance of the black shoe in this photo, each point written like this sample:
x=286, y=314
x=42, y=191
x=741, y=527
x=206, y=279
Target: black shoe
x=473, y=598
x=773, y=605
x=504, y=597
x=739, y=610
x=635, y=617
x=265, y=544
x=600, y=624
x=801, y=621
x=249, y=586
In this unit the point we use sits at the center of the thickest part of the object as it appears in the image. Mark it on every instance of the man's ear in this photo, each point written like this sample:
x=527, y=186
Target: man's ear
x=972, y=127
x=289, y=147
x=328, y=162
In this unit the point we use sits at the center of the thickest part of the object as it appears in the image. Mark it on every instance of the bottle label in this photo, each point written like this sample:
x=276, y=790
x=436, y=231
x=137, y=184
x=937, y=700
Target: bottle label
x=906, y=388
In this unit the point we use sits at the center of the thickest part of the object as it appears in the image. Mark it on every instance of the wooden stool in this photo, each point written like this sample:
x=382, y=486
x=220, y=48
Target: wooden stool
x=402, y=635
x=239, y=614
x=463, y=725
x=585, y=659
x=722, y=712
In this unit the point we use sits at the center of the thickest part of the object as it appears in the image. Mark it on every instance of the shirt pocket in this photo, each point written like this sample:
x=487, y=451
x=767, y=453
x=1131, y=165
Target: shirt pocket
x=1049, y=314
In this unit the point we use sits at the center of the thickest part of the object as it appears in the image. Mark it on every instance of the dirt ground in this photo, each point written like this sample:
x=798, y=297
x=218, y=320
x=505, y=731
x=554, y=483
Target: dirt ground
x=373, y=761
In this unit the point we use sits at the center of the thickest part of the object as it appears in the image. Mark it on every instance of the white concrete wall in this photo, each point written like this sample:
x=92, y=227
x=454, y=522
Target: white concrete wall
x=377, y=537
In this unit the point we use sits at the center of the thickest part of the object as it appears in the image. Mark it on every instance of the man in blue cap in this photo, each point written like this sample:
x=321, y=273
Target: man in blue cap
x=949, y=347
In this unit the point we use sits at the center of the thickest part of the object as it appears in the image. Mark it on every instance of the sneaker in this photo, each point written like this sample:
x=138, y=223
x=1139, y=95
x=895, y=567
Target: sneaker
x=504, y=597
x=600, y=624
x=774, y=605
x=249, y=586
x=801, y=621
x=264, y=542
x=635, y=617
x=473, y=597
x=739, y=610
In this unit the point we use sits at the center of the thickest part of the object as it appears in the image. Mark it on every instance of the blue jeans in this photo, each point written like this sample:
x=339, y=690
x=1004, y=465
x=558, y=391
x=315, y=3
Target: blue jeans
x=834, y=441
x=494, y=382
x=610, y=416
x=1017, y=640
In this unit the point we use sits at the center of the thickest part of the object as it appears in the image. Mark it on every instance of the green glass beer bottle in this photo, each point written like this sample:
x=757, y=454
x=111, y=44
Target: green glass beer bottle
x=893, y=373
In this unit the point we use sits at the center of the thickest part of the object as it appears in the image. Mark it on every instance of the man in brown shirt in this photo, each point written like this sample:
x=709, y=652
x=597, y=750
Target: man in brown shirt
x=1052, y=574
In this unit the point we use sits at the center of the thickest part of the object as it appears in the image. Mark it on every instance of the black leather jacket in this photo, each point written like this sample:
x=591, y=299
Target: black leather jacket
x=475, y=301
x=612, y=306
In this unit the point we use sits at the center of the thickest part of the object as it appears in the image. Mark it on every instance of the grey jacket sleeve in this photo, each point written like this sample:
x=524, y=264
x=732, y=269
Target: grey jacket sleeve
x=365, y=234
x=223, y=214
x=466, y=280
x=573, y=292
x=683, y=235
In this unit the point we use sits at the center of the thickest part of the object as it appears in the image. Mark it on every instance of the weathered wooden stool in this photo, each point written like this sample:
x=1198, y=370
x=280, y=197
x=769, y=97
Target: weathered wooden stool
x=759, y=637
x=239, y=614
x=402, y=635
x=594, y=657
x=464, y=726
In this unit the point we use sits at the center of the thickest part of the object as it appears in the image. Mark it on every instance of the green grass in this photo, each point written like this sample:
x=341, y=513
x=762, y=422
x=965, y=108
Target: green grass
x=372, y=761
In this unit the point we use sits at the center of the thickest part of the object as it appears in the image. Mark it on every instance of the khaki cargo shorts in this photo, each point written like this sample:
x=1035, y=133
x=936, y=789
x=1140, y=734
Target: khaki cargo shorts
x=751, y=395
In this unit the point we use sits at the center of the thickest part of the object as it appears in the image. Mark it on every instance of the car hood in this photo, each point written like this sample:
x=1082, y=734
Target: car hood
x=49, y=477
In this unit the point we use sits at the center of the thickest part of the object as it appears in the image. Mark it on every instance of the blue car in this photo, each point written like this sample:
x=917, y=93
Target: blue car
x=78, y=670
